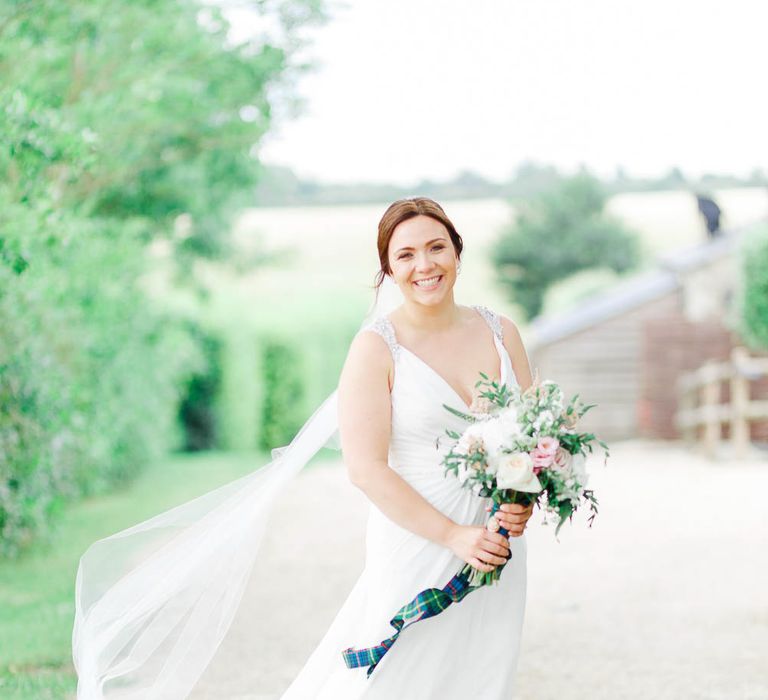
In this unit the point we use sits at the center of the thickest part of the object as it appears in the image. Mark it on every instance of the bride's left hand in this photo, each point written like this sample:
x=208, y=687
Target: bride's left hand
x=514, y=517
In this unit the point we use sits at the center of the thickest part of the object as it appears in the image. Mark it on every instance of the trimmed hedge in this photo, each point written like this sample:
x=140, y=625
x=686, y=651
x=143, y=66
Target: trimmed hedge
x=197, y=412
x=753, y=301
x=282, y=408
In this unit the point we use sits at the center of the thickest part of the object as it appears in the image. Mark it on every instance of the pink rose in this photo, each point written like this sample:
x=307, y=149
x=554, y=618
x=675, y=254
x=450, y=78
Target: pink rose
x=548, y=445
x=541, y=459
x=562, y=458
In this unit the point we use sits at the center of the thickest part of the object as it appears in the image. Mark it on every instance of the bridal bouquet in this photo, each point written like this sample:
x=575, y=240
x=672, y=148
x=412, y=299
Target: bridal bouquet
x=522, y=447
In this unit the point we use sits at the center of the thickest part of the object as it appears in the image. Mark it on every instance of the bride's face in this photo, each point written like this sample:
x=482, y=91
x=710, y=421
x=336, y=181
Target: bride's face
x=422, y=260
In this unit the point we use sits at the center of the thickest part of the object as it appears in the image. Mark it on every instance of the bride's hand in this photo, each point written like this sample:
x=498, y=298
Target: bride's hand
x=478, y=546
x=514, y=517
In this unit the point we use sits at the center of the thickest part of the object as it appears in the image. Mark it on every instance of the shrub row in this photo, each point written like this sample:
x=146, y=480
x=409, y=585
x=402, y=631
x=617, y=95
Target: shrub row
x=88, y=370
x=753, y=298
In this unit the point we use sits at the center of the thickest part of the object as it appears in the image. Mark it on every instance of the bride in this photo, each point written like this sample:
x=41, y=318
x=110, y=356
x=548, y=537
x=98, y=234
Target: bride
x=154, y=602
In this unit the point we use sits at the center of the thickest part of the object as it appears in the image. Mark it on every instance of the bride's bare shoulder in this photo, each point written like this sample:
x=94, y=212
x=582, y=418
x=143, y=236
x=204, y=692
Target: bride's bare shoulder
x=370, y=342
x=369, y=357
x=509, y=328
x=513, y=342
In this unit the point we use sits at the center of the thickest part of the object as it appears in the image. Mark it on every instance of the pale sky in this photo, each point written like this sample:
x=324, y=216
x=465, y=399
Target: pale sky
x=410, y=89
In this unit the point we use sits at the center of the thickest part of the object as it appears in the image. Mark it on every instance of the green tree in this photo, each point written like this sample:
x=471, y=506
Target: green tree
x=556, y=234
x=116, y=119
x=167, y=109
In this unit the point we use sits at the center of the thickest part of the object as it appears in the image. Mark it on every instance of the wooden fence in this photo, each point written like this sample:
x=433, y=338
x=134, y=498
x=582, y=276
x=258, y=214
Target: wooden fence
x=700, y=405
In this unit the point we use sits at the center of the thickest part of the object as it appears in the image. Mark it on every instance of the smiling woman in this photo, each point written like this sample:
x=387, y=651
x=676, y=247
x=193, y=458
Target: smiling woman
x=422, y=526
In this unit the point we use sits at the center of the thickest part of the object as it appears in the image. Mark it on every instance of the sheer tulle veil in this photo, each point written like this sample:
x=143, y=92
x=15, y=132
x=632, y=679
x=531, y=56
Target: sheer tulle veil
x=153, y=602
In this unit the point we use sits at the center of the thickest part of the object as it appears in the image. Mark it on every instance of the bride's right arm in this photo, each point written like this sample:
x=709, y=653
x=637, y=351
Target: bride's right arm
x=364, y=430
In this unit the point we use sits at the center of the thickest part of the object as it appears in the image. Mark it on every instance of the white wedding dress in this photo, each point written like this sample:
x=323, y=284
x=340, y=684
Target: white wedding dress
x=469, y=650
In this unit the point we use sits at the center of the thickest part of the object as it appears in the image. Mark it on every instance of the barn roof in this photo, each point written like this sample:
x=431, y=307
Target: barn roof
x=632, y=292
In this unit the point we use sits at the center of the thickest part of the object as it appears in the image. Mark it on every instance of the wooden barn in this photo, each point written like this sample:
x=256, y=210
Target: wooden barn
x=624, y=348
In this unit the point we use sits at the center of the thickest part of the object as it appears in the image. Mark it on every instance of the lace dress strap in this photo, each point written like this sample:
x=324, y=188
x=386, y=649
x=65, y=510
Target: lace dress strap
x=384, y=328
x=492, y=319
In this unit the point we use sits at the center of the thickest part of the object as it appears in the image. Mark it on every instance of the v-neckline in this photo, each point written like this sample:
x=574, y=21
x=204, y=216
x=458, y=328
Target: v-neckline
x=467, y=406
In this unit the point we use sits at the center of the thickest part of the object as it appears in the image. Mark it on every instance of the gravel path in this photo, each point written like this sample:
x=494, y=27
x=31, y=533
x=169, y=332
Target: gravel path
x=665, y=597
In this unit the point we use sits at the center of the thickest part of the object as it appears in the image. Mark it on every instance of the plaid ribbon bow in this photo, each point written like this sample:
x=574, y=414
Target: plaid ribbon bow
x=428, y=603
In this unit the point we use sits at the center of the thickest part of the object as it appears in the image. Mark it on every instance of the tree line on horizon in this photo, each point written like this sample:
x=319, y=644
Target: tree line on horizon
x=281, y=186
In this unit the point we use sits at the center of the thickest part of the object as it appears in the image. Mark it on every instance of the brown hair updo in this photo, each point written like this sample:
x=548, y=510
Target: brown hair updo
x=402, y=210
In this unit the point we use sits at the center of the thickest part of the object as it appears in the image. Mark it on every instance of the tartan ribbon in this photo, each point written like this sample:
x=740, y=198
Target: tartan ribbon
x=428, y=603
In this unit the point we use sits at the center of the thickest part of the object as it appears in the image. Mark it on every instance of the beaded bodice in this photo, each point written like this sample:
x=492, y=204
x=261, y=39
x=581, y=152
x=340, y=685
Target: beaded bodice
x=383, y=326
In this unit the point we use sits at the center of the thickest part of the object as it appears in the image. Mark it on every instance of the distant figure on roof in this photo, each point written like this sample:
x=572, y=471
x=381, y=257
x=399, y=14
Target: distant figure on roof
x=711, y=213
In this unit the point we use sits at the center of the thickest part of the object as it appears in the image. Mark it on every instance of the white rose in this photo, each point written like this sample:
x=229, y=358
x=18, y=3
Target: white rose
x=500, y=431
x=510, y=421
x=493, y=435
x=516, y=472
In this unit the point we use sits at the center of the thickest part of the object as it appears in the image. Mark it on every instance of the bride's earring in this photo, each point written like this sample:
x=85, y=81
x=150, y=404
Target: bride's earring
x=458, y=267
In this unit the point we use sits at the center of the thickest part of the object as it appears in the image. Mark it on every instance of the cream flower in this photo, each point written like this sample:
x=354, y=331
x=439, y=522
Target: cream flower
x=471, y=438
x=569, y=420
x=500, y=431
x=515, y=471
x=510, y=420
x=481, y=405
x=493, y=435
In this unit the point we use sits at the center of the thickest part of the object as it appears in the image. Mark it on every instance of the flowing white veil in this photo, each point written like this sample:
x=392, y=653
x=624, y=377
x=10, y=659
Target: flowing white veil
x=154, y=602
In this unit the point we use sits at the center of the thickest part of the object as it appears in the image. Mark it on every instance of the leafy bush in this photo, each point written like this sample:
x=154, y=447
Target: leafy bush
x=282, y=412
x=197, y=411
x=89, y=370
x=753, y=299
x=557, y=234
